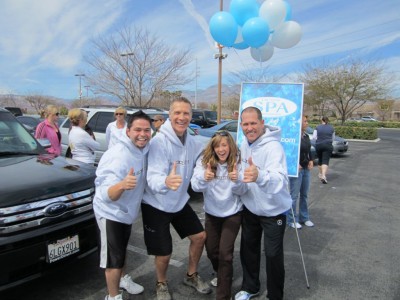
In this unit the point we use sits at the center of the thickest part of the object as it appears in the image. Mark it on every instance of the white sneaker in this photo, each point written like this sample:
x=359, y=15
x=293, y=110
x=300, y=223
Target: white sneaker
x=128, y=285
x=309, y=223
x=117, y=297
x=293, y=225
x=214, y=282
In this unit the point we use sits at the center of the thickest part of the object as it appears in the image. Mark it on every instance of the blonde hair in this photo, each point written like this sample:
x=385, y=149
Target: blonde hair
x=75, y=115
x=209, y=155
x=51, y=110
x=121, y=109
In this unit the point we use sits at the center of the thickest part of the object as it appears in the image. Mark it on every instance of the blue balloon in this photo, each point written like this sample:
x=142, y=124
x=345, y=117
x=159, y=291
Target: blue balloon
x=288, y=11
x=255, y=32
x=240, y=46
x=243, y=10
x=223, y=28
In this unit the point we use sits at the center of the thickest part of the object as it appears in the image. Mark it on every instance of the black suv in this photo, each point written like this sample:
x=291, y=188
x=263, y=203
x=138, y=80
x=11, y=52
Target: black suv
x=204, y=118
x=46, y=215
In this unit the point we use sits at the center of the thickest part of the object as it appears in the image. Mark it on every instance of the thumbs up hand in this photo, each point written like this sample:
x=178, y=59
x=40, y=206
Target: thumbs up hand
x=129, y=182
x=251, y=172
x=234, y=174
x=173, y=180
x=208, y=173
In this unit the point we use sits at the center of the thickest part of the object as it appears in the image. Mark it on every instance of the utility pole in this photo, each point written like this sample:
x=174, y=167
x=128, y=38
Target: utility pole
x=127, y=81
x=80, y=87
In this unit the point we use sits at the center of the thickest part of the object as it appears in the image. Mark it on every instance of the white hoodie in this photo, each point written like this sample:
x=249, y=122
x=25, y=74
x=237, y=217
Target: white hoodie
x=221, y=195
x=269, y=195
x=165, y=149
x=113, y=167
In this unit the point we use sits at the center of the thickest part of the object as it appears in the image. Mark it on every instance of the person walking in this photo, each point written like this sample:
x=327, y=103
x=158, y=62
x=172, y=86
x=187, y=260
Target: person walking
x=172, y=158
x=216, y=176
x=48, y=129
x=120, y=183
x=324, y=134
x=81, y=143
x=301, y=184
x=158, y=120
x=265, y=205
x=116, y=129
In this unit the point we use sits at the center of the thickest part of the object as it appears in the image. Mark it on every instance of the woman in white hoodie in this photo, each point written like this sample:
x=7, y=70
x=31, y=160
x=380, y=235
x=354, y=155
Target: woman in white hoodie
x=216, y=175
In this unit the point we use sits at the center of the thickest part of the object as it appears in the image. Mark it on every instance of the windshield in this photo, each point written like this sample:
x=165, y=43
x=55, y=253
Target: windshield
x=211, y=115
x=14, y=138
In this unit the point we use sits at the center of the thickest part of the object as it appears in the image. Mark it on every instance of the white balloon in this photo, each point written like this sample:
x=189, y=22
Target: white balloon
x=286, y=35
x=262, y=53
x=274, y=12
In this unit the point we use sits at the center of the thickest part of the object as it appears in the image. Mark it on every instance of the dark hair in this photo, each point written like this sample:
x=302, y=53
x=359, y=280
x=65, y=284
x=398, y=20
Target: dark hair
x=137, y=115
x=252, y=108
x=325, y=120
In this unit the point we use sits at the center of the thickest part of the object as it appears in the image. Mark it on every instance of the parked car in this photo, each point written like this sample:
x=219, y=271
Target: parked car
x=16, y=111
x=98, y=119
x=46, y=210
x=29, y=122
x=230, y=126
x=368, y=119
x=204, y=118
x=340, y=145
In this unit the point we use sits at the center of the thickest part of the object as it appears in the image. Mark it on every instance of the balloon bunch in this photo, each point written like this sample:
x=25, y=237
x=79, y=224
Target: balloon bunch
x=260, y=27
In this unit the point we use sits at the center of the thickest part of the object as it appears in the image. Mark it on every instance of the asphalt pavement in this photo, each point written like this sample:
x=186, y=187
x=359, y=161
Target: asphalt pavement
x=353, y=252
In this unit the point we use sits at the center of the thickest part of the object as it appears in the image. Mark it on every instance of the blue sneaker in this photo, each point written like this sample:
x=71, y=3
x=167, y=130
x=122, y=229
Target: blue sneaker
x=243, y=295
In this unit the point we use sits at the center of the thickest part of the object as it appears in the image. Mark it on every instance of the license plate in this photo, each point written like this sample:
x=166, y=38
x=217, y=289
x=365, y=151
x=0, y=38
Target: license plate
x=62, y=248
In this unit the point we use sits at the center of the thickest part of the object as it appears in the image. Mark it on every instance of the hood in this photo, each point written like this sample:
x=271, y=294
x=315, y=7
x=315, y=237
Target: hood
x=169, y=132
x=271, y=134
x=27, y=179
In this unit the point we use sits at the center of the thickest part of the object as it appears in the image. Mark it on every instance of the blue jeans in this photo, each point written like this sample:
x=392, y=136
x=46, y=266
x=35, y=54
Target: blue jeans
x=299, y=186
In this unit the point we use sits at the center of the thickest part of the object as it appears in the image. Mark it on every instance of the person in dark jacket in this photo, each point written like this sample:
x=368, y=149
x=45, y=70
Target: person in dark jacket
x=300, y=185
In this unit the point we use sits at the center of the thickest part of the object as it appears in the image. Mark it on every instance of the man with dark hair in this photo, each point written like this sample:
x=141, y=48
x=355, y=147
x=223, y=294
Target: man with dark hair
x=265, y=204
x=172, y=158
x=120, y=183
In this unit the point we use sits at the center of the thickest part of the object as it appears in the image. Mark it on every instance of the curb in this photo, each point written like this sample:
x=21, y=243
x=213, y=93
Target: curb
x=365, y=141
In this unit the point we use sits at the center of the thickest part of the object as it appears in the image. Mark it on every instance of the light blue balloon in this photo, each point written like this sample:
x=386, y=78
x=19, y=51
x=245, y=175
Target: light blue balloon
x=288, y=11
x=255, y=32
x=223, y=28
x=240, y=46
x=243, y=10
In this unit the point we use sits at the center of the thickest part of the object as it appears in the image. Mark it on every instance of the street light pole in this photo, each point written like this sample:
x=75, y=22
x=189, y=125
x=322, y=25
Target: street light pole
x=80, y=86
x=220, y=57
x=127, y=72
x=87, y=90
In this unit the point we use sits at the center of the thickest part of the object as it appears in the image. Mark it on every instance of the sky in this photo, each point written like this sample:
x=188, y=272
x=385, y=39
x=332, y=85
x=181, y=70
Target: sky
x=42, y=42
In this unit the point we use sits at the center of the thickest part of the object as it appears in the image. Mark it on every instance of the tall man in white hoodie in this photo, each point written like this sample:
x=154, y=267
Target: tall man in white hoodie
x=172, y=158
x=265, y=204
x=120, y=183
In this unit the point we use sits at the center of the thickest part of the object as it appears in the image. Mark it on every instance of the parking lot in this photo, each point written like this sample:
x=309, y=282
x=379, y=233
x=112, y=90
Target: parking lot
x=351, y=253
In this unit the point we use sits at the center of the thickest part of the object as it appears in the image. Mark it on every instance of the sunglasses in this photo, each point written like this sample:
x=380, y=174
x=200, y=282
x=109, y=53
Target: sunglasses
x=221, y=133
x=155, y=120
x=119, y=114
x=57, y=114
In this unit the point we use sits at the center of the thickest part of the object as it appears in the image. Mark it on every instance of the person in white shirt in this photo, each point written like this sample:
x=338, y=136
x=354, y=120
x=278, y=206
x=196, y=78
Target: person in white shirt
x=82, y=145
x=216, y=175
x=116, y=129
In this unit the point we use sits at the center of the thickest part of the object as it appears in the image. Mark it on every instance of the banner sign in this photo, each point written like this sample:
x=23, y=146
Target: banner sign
x=281, y=105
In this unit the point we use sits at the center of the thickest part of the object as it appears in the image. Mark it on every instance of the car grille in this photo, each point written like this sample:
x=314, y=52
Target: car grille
x=30, y=215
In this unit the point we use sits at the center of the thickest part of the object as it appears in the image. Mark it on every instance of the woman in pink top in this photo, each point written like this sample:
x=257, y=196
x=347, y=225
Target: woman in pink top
x=48, y=129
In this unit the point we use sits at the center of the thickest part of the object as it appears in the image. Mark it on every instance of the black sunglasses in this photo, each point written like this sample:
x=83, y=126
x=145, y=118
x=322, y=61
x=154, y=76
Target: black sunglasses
x=119, y=114
x=57, y=114
x=221, y=133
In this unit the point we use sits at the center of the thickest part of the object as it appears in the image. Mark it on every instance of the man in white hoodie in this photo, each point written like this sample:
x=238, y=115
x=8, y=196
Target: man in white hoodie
x=172, y=158
x=120, y=183
x=265, y=204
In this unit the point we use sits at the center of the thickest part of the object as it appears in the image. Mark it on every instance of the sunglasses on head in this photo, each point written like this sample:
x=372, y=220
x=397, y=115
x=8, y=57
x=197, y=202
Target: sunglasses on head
x=119, y=114
x=57, y=113
x=221, y=133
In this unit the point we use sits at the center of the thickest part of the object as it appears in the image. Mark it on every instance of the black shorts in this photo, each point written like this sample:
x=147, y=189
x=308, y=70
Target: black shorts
x=114, y=238
x=324, y=153
x=156, y=227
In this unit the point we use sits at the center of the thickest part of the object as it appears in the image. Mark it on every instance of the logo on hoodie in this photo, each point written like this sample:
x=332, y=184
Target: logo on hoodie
x=272, y=106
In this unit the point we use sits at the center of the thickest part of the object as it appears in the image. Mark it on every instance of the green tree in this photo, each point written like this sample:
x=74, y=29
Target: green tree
x=346, y=86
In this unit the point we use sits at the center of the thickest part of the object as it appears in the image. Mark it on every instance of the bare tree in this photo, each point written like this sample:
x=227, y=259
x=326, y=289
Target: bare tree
x=164, y=99
x=384, y=109
x=346, y=86
x=231, y=104
x=135, y=66
x=39, y=102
